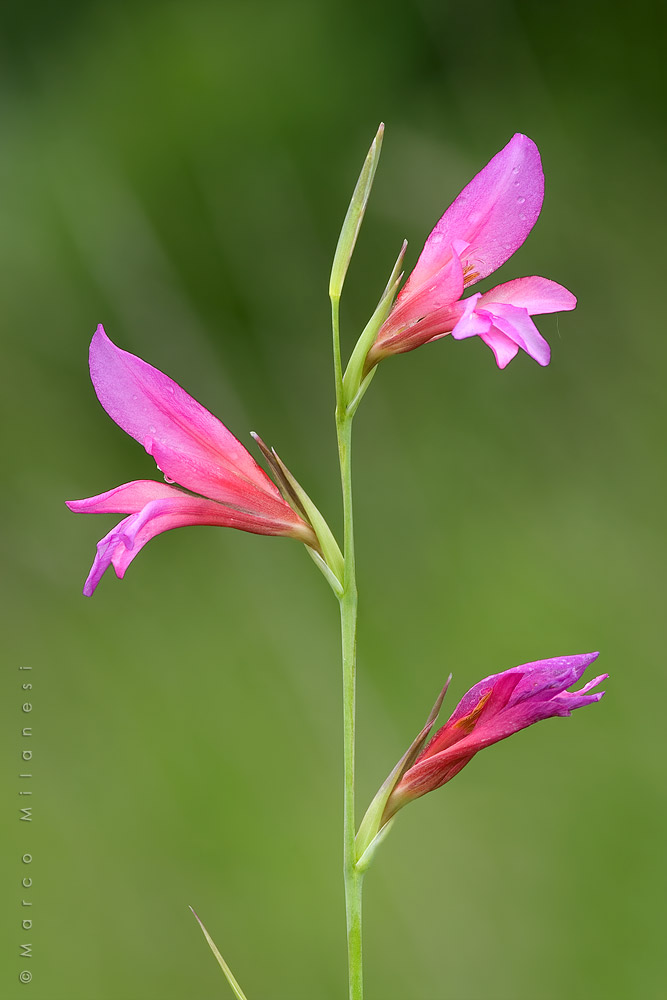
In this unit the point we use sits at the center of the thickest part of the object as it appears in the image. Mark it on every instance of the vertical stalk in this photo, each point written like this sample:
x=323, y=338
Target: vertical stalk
x=348, y=625
x=348, y=615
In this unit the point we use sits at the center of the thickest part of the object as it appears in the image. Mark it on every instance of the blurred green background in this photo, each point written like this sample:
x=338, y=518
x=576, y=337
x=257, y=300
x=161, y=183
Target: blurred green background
x=179, y=171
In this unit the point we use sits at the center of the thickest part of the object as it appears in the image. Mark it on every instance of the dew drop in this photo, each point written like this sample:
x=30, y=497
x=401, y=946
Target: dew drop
x=515, y=170
x=516, y=184
x=522, y=216
x=168, y=480
x=520, y=201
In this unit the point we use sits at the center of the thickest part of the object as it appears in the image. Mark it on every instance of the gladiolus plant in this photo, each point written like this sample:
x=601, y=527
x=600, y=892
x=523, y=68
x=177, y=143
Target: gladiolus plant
x=209, y=478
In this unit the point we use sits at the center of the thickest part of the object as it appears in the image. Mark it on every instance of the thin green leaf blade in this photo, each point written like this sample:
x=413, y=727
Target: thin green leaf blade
x=236, y=989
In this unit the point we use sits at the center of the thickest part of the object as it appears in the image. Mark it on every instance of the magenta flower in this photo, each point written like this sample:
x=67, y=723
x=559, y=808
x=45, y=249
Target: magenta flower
x=492, y=710
x=192, y=448
x=484, y=226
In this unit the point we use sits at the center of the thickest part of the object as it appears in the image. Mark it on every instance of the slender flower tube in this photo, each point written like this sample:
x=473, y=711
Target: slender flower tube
x=191, y=447
x=492, y=710
x=480, y=230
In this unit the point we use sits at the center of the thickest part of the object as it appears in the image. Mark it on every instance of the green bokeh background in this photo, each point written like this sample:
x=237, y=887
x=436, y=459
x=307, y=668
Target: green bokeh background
x=179, y=171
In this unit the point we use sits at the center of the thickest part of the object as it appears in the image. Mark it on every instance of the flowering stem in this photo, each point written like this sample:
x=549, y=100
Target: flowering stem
x=348, y=614
x=338, y=366
x=348, y=624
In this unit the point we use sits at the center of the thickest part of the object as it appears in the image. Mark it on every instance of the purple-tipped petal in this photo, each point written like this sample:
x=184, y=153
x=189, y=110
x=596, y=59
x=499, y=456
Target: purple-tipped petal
x=493, y=214
x=189, y=444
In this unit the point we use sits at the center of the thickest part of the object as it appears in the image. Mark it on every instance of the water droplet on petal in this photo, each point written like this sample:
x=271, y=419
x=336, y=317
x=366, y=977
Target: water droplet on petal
x=515, y=170
x=516, y=183
x=168, y=480
x=522, y=216
x=520, y=201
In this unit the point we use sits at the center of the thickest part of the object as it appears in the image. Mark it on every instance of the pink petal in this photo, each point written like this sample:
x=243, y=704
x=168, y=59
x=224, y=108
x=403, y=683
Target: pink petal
x=516, y=325
x=493, y=214
x=189, y=444
x=504, y=349
x=490, y=703
x=443, y=288
x=471, y=322
x=537, y=295
x=120, y=546
x=126, y=499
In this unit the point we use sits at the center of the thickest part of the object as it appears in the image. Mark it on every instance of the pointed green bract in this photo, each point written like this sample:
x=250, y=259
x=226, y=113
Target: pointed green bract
x=354, y=373
x=354, y=217
x=236, y=989
x=367, y=858
x=370, y=833
x=354, y=404
x=331, y=579
x=295, y=494
x=397, y=268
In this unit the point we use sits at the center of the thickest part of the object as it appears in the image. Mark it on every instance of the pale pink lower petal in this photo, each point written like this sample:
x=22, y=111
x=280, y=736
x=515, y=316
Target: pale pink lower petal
x=471, y=322
x=504, y=349
x=537, y=295
x=516, y=324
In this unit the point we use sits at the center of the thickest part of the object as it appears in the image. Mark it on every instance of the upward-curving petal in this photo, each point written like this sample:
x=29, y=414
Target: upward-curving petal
x=189, y=444
x=493, y=214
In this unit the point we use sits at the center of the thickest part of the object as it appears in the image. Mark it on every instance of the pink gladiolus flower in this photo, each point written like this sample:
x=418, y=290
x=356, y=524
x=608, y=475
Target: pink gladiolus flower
x=481, y=230
x=192, y=448
x=492, y=710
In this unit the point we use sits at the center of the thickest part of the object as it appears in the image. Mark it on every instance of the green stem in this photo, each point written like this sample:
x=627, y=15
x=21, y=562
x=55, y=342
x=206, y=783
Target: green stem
x=338, y=365
x=348, y=617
